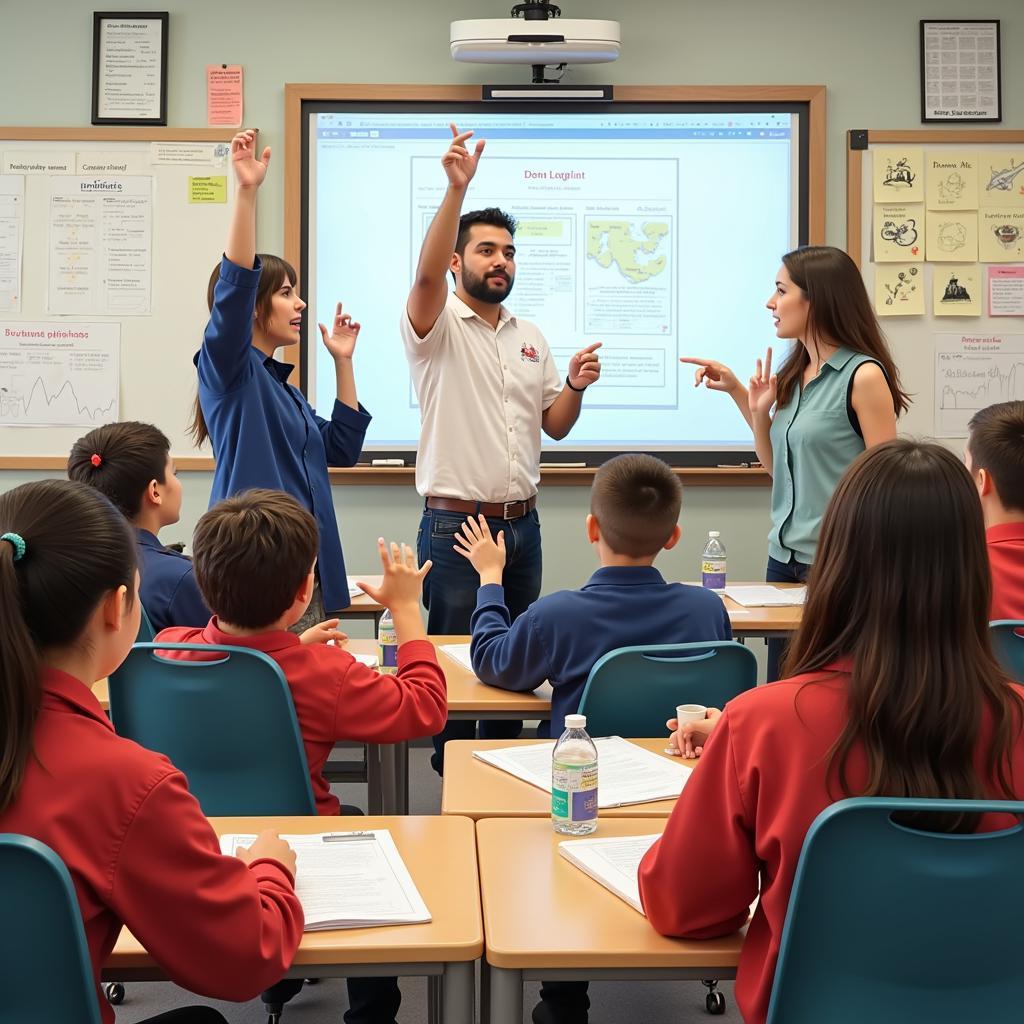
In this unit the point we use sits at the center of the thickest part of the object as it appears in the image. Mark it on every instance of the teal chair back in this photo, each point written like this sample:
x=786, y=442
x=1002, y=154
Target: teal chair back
x=1008, y=646
x=228, y=723
x=44, y=959
x=146, y=631
x=887, y=923
x=632, y=691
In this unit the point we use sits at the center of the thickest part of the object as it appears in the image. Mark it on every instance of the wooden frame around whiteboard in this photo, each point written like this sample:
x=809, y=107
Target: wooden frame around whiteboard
x=296, y=94
x=919, y=137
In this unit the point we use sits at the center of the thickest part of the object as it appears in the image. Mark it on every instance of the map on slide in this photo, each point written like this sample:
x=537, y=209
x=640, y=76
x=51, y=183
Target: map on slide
x=635, y=248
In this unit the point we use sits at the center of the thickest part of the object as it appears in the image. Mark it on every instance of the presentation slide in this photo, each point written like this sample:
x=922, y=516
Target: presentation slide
x=658, y=235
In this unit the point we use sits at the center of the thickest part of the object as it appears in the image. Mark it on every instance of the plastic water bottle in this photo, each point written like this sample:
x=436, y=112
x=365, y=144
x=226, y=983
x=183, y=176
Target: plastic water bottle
x=712, y=563
x=574, y=780
x=387, y=643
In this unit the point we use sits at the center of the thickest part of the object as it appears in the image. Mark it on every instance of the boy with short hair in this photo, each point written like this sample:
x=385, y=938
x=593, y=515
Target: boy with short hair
x=994, y=455
x=634, y=513
x=131, y=464
x=254, y=560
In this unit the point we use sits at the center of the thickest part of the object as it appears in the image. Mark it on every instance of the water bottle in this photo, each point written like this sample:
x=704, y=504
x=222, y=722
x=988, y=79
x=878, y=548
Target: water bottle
x=574, y=780
x=712, y=563
x=387, y=643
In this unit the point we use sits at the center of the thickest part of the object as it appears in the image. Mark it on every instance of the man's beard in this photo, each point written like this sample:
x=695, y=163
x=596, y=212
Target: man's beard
x=480, y=288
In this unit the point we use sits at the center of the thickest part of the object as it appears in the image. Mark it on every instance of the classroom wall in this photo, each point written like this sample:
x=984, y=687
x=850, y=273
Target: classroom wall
x=866, y=53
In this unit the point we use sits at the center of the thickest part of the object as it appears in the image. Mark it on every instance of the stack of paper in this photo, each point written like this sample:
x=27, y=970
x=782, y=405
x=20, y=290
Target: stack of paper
x=767, y=597
x=459, y=653
x=349, y=879
x=626, y=773
x=612, y=862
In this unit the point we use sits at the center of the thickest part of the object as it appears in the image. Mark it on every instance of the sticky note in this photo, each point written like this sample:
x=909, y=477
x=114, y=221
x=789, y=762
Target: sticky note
x=224, y=95
x=209, y=189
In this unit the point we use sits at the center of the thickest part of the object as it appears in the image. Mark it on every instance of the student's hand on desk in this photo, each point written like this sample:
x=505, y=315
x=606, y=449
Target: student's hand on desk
x=270, y=845
x=690, y=739
x=403, y=581
x=323, y=632
x=476, y=544
x=341, y=342
x=249, y=169
x=585, y=366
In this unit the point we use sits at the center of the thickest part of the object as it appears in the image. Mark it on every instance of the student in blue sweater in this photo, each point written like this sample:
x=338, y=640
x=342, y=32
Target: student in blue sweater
x=263, y=431
x=634, y=512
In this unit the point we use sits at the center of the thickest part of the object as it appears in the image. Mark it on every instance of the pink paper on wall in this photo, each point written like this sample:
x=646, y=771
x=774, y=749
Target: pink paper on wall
x=1006, y=290
x=224, y=95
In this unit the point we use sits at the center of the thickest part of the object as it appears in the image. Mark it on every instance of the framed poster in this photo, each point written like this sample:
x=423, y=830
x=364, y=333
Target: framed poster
x=129, y=67
x=960, y=71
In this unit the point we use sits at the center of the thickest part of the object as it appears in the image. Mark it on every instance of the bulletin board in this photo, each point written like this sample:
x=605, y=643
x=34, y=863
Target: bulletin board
x=141, y=295
x=932, y=216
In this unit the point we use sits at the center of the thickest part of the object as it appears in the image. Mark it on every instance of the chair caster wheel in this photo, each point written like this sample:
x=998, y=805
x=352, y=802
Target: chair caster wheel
x=312, y=981
x=114, y=991
x=715, y=1003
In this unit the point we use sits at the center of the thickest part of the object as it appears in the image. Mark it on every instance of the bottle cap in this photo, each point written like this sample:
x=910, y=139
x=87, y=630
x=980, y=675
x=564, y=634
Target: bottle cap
x=575, y=721
x=714, y=533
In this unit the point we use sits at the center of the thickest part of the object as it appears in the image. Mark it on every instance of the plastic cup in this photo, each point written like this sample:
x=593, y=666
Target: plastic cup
x=688, y=713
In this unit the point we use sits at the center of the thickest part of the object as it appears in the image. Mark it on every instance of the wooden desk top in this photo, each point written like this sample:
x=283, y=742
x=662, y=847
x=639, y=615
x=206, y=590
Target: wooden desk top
x=569, y=920
x=440, y=854
x=364, y=604
x=475, y=789
x=764, y=621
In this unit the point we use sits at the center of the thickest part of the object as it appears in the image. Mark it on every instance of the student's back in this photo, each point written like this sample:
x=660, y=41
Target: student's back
x=892, y=691
x=135, y=841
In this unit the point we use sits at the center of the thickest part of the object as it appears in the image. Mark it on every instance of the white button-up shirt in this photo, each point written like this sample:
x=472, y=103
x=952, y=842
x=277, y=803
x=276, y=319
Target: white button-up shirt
x=481, y=392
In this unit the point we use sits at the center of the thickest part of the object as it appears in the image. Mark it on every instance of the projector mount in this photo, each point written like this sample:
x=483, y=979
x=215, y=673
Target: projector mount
x=540, y=10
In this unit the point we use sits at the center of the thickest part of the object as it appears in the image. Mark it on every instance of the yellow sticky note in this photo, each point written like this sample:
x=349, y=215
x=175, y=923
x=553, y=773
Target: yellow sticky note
x=898, y=176
x=899, y=289
x=210, y=189
x=1001, y=178
x=952, y=180
x=952, y=236
x=899, y=233
x=1001, y=235
x=957, y=291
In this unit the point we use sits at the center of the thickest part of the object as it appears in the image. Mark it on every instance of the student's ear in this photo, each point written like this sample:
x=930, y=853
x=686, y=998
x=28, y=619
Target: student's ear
x=305, y=592
x=152, y=494
x=455, y=264
x=593, y=529
x=983, y=480
x=673, y=537
x=113, y=608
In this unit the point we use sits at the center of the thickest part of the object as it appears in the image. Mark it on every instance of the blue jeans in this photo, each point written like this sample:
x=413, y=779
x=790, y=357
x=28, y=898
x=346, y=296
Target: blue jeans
x=449, y=593
x=782, y=572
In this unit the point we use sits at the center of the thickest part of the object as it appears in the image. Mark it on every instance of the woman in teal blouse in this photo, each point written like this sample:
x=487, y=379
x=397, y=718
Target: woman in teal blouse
x=837, y=392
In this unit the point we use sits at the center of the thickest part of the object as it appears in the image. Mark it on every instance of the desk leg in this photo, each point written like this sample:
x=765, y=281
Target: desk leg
x=374, y=780
x=506, y=999
x=402, y=778
x=458, y=997
x=434, y=1007
x=485, y=991
x=394, y=760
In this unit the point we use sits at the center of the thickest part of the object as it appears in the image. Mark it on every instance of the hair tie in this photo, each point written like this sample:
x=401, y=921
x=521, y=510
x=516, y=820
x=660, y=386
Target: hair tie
x=17, y=542
x=96, y=459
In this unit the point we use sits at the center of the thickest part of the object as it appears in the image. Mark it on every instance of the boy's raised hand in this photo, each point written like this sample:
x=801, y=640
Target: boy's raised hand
x=323, y=632
x=249, y=169
x=476, y=543
x=403, y=581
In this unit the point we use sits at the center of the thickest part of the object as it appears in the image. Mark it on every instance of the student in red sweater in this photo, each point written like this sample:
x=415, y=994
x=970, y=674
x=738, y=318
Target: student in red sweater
x=135, y=842
x=995, y=456
x=890, y=690
x=254, y=557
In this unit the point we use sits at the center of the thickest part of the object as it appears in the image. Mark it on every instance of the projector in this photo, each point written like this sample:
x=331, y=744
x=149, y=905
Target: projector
x=513, y=41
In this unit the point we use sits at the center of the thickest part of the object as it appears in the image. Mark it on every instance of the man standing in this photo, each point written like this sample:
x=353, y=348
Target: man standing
x=487, y=386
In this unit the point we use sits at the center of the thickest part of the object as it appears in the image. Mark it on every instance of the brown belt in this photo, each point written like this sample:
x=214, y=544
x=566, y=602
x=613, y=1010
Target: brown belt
x=494, y=509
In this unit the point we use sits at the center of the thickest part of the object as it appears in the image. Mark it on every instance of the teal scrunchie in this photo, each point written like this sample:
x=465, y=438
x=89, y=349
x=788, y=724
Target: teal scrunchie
x=17, y=542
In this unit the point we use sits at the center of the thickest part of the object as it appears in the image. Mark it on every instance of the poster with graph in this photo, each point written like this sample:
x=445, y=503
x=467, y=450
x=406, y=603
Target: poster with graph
x=59, y=374
x=973, y=371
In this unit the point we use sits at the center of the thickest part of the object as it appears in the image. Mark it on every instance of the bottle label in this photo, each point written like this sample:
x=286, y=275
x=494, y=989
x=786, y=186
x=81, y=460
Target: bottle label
x=712, y=573
x=388, y=656
x=574, y=791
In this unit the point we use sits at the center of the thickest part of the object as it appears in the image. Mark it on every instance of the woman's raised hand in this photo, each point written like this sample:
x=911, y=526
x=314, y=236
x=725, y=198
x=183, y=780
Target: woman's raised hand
x=249, y=169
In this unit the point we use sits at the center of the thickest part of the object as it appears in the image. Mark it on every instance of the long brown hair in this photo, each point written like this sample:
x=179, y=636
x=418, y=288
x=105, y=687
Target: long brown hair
x=901, y=585
x=839, y=312
x=78, y=548
x=274, y=274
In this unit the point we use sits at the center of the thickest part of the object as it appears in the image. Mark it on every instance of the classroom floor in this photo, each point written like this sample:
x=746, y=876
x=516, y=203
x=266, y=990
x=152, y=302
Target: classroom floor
x=613, y=1002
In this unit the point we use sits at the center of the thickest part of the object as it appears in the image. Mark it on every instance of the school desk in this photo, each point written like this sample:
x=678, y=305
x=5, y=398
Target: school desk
x=571, y=928
x=475, y=789
x=440, y=854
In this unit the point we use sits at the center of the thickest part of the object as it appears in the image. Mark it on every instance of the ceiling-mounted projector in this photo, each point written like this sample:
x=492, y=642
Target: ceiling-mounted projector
x=532, y=36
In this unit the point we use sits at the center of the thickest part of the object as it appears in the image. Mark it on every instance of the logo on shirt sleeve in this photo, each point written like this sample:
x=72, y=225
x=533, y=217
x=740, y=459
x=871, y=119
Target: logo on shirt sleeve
x=529, y=354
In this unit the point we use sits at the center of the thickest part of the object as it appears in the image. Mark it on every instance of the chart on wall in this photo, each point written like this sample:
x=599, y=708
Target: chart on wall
x=972, y=372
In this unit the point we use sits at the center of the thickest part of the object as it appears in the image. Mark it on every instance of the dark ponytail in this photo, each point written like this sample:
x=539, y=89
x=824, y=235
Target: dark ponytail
x=78, y=548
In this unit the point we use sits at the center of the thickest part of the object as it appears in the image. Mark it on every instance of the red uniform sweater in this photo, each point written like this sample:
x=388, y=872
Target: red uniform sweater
x=744, y=814
x=339, y=698
x=1006, y=557
x=140, y=852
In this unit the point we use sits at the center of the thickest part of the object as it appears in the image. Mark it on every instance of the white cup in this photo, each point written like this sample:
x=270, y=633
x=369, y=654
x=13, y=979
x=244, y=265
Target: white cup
x=691, y=713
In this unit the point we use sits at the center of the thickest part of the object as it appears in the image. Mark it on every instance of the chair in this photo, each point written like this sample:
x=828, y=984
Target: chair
x=146, y=631
x=227, y=723
x=888, y=923
x=633, y=690
x=47, y=975
x=1008, y=646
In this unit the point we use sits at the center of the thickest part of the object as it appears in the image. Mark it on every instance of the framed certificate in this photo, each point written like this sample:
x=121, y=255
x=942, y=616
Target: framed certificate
x=960, y=71
x=129, y=67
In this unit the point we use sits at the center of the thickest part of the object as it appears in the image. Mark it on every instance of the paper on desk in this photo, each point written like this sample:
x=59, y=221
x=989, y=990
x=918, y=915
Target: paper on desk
x=614, y=862
x=349, y=879
x=627, y=774
x=460, y=653
x=767, y=597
